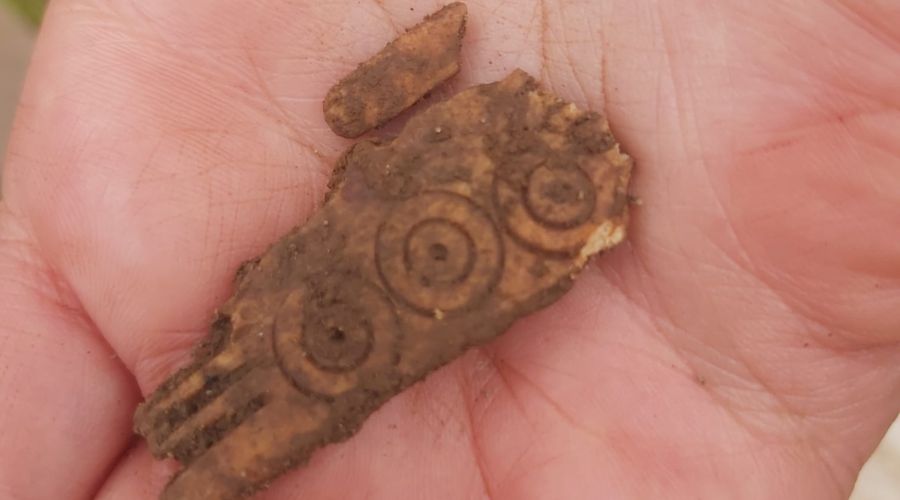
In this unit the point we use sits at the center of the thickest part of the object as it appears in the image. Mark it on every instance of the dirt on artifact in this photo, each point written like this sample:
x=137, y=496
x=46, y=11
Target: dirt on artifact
x=399, y=75
x=484, y=209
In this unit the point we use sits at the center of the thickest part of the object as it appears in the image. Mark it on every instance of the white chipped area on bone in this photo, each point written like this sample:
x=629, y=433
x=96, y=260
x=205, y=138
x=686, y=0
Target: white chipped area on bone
x=606, y=236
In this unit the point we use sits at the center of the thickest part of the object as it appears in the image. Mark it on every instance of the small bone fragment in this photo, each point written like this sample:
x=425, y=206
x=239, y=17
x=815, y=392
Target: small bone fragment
x=482, y=210
x=399, y=75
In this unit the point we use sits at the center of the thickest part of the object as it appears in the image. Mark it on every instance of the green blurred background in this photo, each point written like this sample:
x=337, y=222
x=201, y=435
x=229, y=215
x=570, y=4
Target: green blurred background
x=31, y=10
x=18, y=25
x=19, y=19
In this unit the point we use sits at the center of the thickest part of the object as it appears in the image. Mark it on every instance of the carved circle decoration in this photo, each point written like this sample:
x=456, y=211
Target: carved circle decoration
x=548, y=210
x=332, y=331
x=439, y=252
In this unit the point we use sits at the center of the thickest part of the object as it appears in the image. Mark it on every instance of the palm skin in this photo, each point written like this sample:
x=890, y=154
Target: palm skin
x=744, y=342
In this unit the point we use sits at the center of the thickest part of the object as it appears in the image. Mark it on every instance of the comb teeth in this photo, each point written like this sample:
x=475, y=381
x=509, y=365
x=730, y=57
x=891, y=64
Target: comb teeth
x=197, y=432
x=216, y=392
x=234, y=420
x=168, y=420
x=187, y=450
x=245, y=457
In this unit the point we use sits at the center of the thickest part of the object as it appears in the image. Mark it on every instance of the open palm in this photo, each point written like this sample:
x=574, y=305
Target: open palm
x=744, y=343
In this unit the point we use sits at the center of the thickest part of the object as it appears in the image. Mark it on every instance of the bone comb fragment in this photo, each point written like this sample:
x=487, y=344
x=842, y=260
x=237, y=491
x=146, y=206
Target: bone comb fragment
x=483, y=210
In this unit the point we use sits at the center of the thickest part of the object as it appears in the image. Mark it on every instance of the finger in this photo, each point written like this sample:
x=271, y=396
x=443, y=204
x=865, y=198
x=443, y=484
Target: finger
x=167, y=167
x=66, y=398
x=201, y=148
x=164, y=173
x=137, y=476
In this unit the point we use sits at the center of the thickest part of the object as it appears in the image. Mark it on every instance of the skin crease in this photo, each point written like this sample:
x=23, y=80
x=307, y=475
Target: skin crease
x=744, y=343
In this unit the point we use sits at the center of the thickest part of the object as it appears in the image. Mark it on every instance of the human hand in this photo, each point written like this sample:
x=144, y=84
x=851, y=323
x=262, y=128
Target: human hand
x=744, y=342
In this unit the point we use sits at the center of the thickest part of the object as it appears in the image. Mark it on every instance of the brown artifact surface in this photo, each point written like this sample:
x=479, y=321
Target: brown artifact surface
x=481, y=211
x=399, y=75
